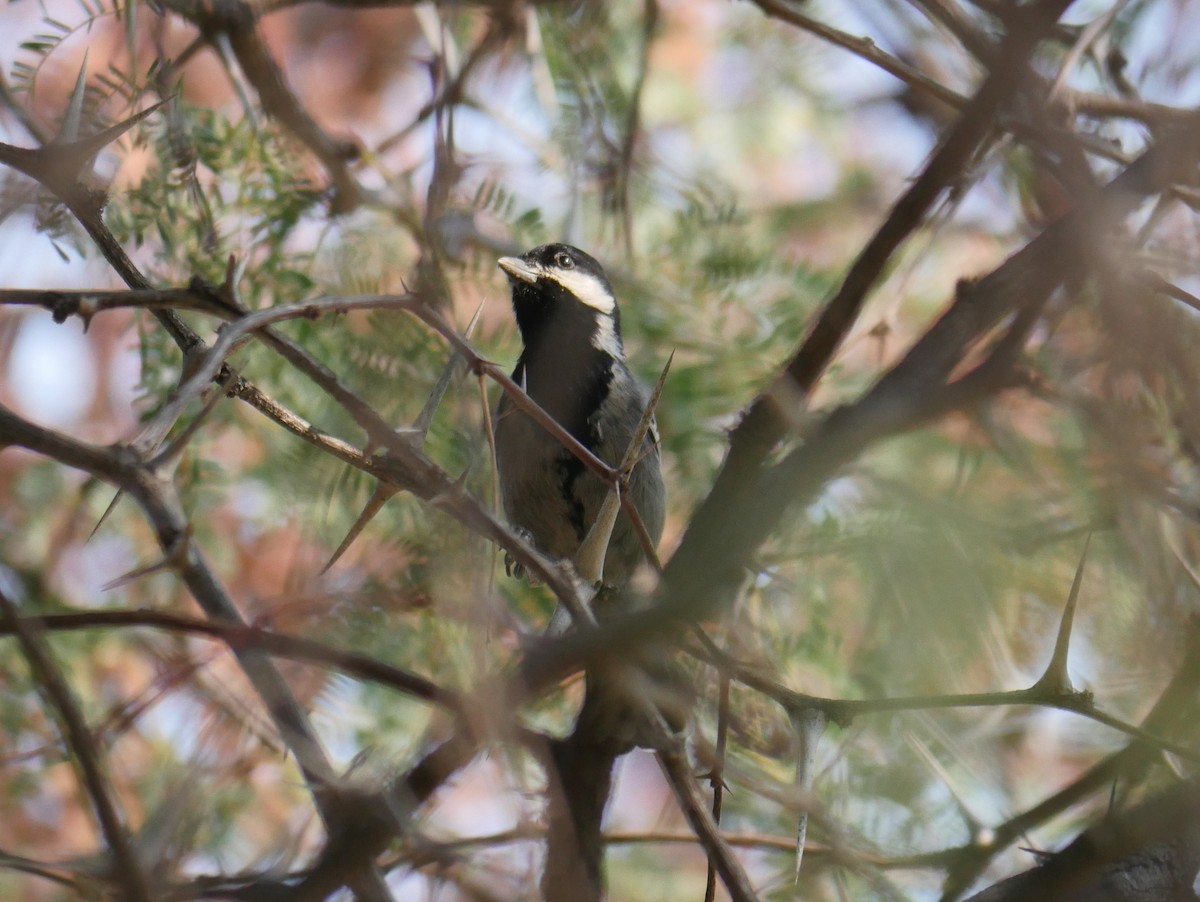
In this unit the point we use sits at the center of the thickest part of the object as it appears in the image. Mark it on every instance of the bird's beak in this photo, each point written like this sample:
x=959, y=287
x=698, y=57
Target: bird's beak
x=518, y=269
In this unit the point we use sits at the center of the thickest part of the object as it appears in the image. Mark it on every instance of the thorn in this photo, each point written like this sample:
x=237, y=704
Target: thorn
x=714, y=780
x=382, y=494
x=1041, y=855
x=454, y=492
x=88, y=308
x=425, y=419
x=173, y=558
x=59, y=163
x=809, y=724
x=474, y=319
x=646, y=426
x=69, y=131
x=92, y=145
x=1056, y=679
x=112, y=506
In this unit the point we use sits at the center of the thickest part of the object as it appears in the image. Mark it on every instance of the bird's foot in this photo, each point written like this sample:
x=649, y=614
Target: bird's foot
x=513, y=567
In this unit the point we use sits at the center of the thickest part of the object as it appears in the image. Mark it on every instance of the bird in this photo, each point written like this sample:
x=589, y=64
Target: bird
x=573, y=365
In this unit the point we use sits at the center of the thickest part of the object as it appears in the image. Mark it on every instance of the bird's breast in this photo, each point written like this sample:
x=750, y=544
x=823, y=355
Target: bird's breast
x=571, y=394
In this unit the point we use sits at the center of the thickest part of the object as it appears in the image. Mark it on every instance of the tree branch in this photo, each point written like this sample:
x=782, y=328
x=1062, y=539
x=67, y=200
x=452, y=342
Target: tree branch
x=127, y=868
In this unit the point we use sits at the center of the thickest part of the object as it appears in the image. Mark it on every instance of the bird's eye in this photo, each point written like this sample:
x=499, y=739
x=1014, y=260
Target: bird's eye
x=564, y=260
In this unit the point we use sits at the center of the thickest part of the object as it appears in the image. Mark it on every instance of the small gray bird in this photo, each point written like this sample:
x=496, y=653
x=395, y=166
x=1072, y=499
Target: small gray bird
x=573, y=365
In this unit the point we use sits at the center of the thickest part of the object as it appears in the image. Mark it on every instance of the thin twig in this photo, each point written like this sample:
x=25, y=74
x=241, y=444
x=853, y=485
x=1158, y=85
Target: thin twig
x=867, y=49
x=127, y=868
x=242, y=636
x=716, y=778
x=210, y=365
x=695, y=809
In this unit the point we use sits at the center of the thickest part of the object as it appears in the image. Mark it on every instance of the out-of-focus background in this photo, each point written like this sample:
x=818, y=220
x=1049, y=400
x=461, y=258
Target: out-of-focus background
x=726, y=162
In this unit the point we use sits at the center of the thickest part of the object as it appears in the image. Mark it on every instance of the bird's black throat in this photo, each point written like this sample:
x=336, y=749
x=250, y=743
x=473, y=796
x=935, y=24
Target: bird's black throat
x=561, y=368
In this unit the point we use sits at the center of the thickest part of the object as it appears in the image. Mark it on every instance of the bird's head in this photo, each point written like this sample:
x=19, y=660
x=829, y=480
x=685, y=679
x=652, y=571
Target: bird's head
x=559, y=288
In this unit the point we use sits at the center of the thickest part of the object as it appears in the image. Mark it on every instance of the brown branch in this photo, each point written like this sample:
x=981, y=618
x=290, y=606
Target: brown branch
x=1149, y=852
x=121, y=467
x=952, y=18
x=348, y=850
x=695, y=809
x=209, y=368
x=768, y=418
x=944, y=166
x=708, y=566
x=64, y=304
x=244, y=636
x=632, y=127
x=405, y=466
x=1068, y=249
x=454, y=92
x=716, y=778
x=431, y=851
x=1176, y=701
x=127, y=868
x=66, y=170
x=520, y=399
x=1103, y=106
x=865, y=48
x=844, y=710
x=55, y=873
x=237, y=22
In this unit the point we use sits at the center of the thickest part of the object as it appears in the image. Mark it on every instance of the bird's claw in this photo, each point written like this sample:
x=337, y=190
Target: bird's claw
x=513, y=567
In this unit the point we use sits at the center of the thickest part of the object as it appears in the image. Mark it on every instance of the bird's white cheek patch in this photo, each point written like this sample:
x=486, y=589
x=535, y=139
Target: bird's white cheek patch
x=587, y=288
x=605, y=338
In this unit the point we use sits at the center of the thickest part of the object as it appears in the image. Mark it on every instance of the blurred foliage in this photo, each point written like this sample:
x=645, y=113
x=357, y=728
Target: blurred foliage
x=939, y=562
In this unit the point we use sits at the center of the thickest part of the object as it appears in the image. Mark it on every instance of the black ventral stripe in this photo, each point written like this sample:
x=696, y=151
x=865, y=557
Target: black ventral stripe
x=570, y=381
